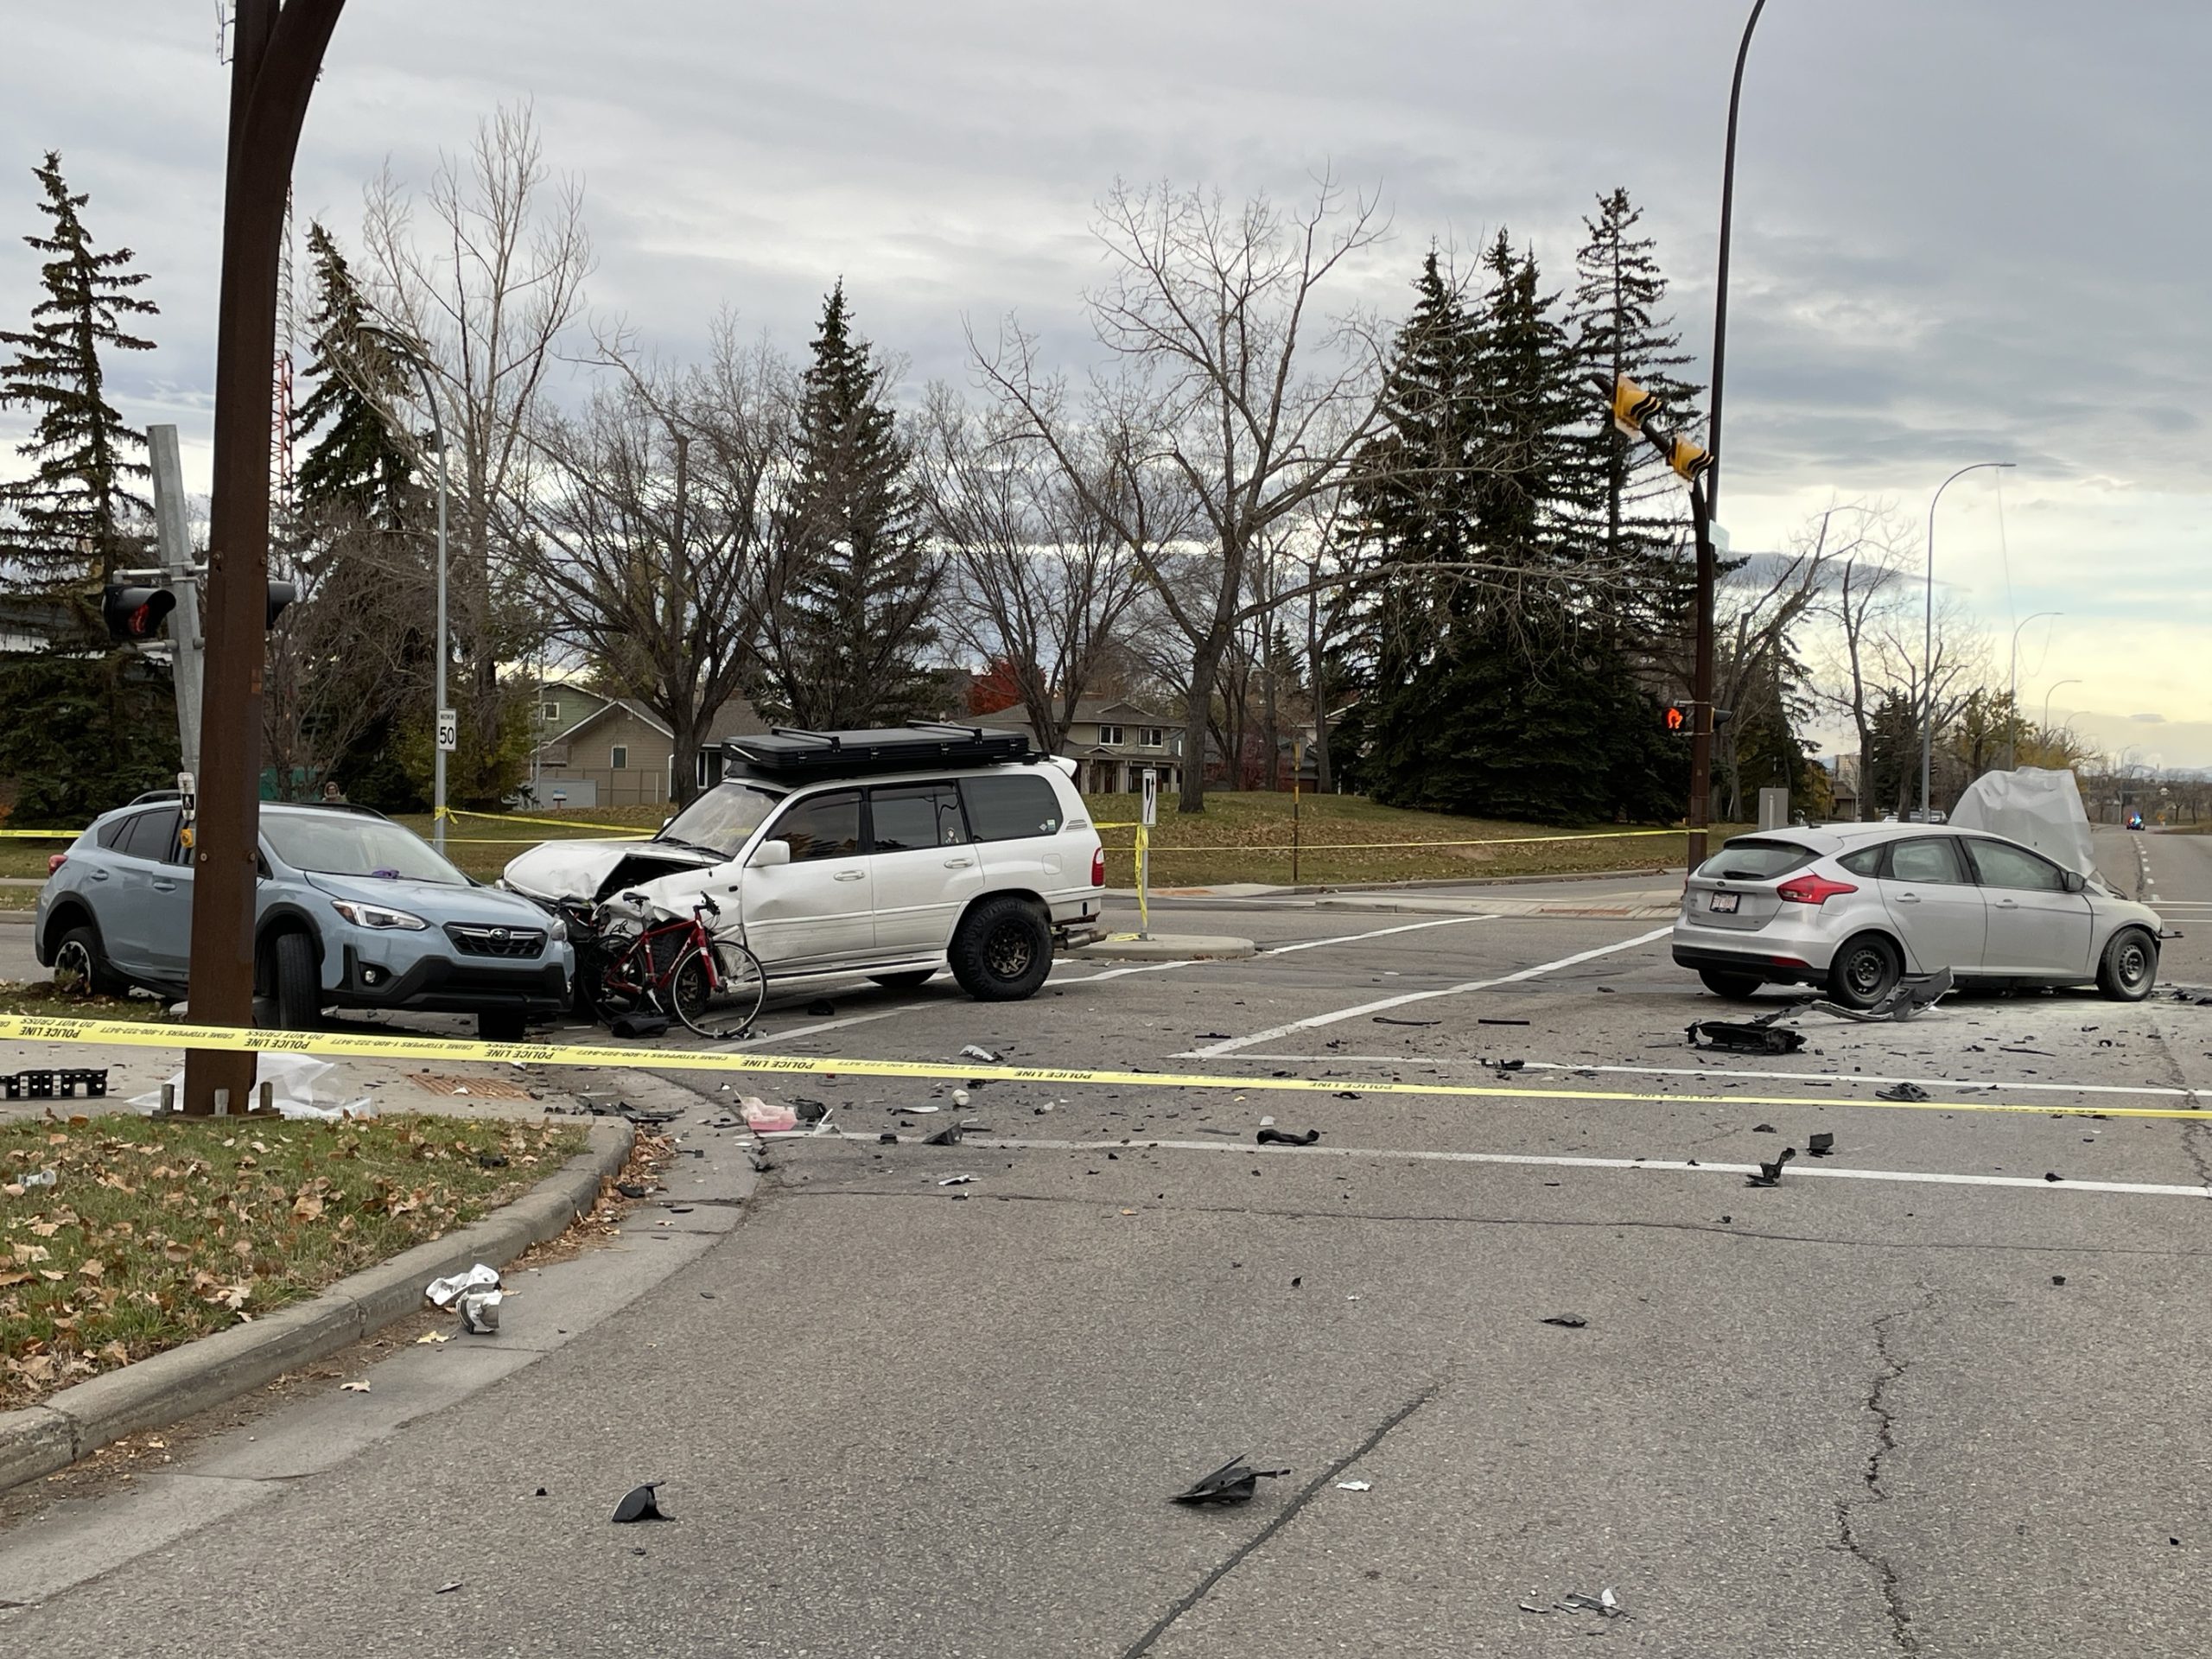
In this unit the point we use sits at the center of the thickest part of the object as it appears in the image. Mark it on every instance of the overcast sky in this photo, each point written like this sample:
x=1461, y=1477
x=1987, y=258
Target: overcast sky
x=1967, y=230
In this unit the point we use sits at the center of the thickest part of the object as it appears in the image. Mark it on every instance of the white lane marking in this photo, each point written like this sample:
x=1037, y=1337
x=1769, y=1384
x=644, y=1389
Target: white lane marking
x=1544, y=1160
x=1353, y=938
x=1711, y=1074
x=1136, y=968
x=1233, y=1044
x=809, y=1030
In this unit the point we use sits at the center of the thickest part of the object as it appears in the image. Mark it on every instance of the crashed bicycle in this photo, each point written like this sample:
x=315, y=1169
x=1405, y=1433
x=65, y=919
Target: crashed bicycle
x=677, y=966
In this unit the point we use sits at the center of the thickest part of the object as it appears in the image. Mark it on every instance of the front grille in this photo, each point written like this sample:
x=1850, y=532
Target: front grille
x=475, y=941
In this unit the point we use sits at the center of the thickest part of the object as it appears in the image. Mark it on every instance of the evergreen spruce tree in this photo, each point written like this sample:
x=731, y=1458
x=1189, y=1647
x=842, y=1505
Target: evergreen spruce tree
x=1618, y=327
x=844, y=645
x=352, y=459
x=1525, y=406
x=70, y=518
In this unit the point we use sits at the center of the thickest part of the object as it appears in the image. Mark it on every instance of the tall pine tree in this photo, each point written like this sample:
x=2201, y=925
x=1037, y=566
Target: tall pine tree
x=843, y=641
x=71, y=518
x=352, y=460
x=1617, y=326
x=1525, y=405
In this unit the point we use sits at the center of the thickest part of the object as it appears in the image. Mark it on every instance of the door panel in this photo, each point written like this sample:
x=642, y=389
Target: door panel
x=1928, y=891
x=921, y=865
x=2036, y=926
x=818, y=909
x=136, y=919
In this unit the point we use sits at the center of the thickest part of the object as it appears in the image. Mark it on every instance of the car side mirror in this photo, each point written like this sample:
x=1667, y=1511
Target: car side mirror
x=2076, y=881
x=770, y=853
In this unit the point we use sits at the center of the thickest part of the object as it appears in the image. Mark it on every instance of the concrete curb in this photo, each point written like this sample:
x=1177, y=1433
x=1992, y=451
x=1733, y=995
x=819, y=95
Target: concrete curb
x=25, y=917
x=170, y=1386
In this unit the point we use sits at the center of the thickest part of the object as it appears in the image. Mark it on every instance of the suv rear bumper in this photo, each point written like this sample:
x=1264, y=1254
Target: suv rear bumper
x=437, y=985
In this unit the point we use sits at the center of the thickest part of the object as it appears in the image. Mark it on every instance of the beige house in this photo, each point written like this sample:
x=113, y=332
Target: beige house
x=1111, y=743
x=598, y=751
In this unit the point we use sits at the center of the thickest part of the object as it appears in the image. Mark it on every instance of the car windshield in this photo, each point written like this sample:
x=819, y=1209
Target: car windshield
x=344, y=843
x=722, y=819
x=1754, y=860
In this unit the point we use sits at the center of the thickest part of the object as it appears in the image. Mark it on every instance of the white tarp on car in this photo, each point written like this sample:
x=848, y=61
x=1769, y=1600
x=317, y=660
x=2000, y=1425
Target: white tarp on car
x=2038, y=809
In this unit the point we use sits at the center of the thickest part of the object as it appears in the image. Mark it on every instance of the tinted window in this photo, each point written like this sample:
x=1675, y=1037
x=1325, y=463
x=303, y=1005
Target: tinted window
x=823, y=826
x=916, y=816
x=1754, y=860
x=1866, y=861
x=1935, y=858
x=112, y=832
x=346, y=843
x=151, y=834
x=1009, y=808
x=2014, y=867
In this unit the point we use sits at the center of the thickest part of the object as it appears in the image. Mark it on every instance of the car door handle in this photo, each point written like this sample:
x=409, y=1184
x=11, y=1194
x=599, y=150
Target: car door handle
x=851, y=875
x=1907, y=898
x=162, y=885
x=100, y=875
x=2008, y=904
x=958, y=863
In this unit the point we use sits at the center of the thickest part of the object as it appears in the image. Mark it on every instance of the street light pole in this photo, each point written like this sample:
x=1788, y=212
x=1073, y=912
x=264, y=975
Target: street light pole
x=277, y=54
x=1720, y=296
x=1928, y=637
x=2013, y=696
x=412, y=355
x=2046, y=702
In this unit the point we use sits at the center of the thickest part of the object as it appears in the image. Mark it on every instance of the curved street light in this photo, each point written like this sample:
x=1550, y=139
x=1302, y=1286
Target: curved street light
x=2012, y=697
x=1927, y=635
x=410, y=353
x=2046, y=702
x=1721, y=295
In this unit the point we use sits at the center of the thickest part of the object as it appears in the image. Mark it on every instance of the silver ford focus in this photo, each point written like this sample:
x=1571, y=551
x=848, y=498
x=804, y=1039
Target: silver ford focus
x=1853, y=908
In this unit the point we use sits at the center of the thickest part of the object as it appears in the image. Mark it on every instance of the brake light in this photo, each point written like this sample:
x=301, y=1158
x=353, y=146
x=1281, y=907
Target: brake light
x=54, y=862
x=1812, y=890
x=1098, y=866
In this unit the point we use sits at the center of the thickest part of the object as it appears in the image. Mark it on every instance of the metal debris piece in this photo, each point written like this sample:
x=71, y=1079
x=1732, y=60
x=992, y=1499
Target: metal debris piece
x=1746, y=1036
x=957, y=1180
x=1604, y=1604
x=1284, y=1138
x=639, y=1504
x=1355, y=1485
x=1909, y=997
x=976, y=1051
x=44, y=1178
x=441, y=1291
x=1821, y=1145
x=480, y=1312
x=446, y=1589
x=1771, y=1174
x=1235, y=1481
x=1903, y=1091
x=353, y=1387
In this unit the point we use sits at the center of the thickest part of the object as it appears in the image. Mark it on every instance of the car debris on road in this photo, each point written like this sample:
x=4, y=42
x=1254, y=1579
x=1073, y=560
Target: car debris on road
x=1235, y=1481
x=1771, y=1174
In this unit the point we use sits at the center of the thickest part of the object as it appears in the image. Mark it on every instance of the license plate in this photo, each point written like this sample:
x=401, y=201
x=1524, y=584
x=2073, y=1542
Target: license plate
x=1724, y=902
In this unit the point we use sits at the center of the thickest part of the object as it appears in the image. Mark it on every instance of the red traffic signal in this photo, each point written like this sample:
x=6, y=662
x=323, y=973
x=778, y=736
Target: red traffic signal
x=1675, y=719
x=134, y=613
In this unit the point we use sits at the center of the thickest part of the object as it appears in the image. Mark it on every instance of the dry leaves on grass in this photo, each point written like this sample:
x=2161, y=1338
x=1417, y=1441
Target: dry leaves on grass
x=155, y=1233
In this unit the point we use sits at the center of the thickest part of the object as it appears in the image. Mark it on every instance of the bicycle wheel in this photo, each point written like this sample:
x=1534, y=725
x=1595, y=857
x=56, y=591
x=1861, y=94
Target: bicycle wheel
x=720, y=1002
x=613, y=989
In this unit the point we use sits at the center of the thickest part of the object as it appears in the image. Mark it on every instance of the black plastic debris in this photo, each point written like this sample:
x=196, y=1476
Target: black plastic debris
x=633, y=1027
x=2052, y=1175
x=1284, y=1138
x=1213, y=1037
x=632, y=1189
x=638, y=1504
x=1764, y=1129
x=1903, y=1091
x=1509, y=1066
x=491, y=1160
x=947, y=1137
x=890, y=1136
x=1771, y=1174
x=1385, y=1020
x=1821, y=1145
x=1566, y=1321
x=1235, y=1481
x=1484, y=1020
x=1745, y=1037
x=2058, y=1278
x=1909, y=997
x=640, y=1114
x=1604, y=1604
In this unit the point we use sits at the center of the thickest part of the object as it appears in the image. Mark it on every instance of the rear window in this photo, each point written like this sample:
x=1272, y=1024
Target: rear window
x=149, y=835
x=1754, y=860
x=1011, y=807
x=1867, y=860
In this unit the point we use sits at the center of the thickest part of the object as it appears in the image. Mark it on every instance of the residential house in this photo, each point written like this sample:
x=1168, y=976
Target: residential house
x=1844, y=789
x=1111, y=743
x=600, y=751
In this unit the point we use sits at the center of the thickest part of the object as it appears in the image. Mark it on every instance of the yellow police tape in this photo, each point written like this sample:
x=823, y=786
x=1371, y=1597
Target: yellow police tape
x=42, y=835
x=600, y=831
x=380, y=1045
x=1391, y=846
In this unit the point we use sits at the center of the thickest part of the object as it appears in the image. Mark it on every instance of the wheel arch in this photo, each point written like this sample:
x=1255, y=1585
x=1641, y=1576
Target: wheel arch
x=68, y=912
x=286, y=918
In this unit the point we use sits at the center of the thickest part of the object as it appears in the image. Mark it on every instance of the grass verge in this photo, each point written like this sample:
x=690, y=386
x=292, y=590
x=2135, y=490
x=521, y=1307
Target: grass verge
x=42, y=998
x=155, y=1233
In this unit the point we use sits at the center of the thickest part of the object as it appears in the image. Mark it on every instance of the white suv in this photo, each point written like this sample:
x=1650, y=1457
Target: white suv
x=884, y=854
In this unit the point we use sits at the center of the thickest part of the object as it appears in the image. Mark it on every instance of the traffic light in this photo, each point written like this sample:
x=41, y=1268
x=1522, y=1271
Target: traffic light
x=1690, y=461
x=281, y=594
x=134, y=613
x=1632, y=406
x=1681, y=719
x=1678, y=719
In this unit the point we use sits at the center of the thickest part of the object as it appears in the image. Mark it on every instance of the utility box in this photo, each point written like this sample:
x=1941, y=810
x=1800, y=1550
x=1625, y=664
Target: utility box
x=1774, y=809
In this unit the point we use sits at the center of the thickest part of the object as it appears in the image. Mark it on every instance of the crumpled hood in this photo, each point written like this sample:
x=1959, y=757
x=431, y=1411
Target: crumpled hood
x=436, y=902
x=591, y=869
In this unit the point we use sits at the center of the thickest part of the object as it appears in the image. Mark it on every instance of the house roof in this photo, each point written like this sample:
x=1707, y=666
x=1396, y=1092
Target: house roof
x=735, y=718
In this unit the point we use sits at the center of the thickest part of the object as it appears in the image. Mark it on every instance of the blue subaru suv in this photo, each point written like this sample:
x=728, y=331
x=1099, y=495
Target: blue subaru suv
x=352, y=912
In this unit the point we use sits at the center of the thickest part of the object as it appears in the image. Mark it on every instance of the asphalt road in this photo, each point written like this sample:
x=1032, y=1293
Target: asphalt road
x=1854, y=1414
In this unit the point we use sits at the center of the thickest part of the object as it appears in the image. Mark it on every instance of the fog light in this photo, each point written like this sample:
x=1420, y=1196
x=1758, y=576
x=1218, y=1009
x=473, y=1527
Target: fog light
x=372, y=975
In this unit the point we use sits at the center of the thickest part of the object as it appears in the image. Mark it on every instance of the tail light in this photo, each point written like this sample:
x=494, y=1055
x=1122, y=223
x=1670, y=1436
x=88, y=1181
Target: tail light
x=54, y=862
x=1098, y=866
x=1812, y=890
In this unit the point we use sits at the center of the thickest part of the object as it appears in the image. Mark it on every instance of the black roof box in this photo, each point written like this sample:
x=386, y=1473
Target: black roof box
x=790, y=755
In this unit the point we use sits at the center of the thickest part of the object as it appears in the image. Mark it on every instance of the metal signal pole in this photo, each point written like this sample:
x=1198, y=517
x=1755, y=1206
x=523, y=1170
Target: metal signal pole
x=276, y=55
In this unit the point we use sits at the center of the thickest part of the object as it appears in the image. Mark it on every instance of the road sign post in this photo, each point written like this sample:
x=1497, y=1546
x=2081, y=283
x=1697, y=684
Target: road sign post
x=448, y=731
x=1149, y=782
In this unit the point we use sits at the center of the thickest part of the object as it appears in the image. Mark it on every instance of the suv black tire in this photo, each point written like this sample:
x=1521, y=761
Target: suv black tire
x=1864, y=970
x=905, y=982
x=82, y=943
x=1737, y=988
x=1002, y=950
x=502, y=1026
x=2129, y=966
x=299, y=984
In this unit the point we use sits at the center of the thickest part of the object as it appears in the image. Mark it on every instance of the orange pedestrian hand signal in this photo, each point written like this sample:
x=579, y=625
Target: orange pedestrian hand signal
x=1675, y=717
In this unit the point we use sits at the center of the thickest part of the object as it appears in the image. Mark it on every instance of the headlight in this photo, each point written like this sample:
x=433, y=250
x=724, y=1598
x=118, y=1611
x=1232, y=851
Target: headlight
x=377, y=916
x=557, y=932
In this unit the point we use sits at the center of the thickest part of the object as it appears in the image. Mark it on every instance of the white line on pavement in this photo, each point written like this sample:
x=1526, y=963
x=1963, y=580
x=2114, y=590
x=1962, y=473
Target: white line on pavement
x=1353, y=938
x=1797, y=1170
x=1711, y=1074
x=1233, y=1044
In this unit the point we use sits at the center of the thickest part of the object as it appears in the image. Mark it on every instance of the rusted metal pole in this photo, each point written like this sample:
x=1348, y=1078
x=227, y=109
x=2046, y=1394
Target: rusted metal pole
x=277, y=56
